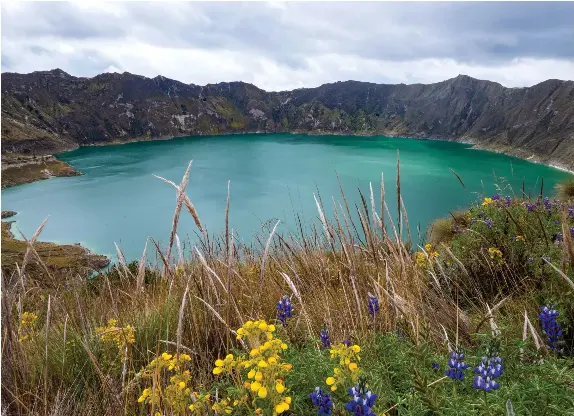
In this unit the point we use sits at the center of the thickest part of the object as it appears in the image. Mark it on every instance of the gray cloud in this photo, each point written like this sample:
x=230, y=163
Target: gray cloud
x=309, y=41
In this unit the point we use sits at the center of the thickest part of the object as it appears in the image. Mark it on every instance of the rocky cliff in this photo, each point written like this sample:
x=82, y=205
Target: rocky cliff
x=52, y=111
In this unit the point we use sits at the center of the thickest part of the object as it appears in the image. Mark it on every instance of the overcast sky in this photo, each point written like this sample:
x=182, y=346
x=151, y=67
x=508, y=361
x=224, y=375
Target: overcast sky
x=279, y=46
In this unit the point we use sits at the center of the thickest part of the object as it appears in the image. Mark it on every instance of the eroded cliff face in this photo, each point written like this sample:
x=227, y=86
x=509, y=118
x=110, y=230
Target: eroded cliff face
x=49, y=112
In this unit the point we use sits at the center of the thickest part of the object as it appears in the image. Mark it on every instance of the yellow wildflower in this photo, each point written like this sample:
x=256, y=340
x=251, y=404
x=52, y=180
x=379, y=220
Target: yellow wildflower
x=217, y=370
x=262, y=392
x=279, y=387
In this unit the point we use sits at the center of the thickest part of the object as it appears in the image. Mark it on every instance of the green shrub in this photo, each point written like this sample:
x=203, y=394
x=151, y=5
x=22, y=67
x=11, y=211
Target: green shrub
x=506, y=246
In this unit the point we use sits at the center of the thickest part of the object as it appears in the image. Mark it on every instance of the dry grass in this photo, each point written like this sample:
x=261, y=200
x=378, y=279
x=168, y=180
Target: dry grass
x=195, y=306
x=56, y=258
x=566, y=189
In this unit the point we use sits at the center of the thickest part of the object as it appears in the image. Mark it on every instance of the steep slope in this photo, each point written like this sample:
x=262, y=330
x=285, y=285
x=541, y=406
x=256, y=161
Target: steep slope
x=51, y=111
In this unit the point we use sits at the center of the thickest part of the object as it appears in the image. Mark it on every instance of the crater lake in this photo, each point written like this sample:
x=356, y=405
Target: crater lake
x=272, y=177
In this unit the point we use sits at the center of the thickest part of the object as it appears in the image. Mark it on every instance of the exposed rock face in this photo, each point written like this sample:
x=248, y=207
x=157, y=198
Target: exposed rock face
x=48, y=112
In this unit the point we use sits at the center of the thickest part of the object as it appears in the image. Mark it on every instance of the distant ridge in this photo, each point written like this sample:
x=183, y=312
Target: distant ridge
x=46, y=112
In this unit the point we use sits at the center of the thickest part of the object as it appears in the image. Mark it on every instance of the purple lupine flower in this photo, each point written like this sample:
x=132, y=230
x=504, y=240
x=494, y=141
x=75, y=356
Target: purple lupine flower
x=322, y=401
x=530, y=259
x=325, y=339
x=457, y=366
x=362, y=400
x=530, y=207
x=373, y=305
x=347, y=342
x=547, y=204
x=546, y=259
x=571, y=212
x=572, y=232
x=489, y=222
x=495, y=197
x=556, y=222
x=551, y=326
x=559, y=237
x=284, y=310
x=435, y=366
x=487, y=372
x=508, y=201
x=482, y=214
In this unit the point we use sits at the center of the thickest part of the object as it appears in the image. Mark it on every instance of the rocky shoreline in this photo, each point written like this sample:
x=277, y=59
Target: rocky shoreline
x=8, y=214
x=69, y=260
x=19, y=169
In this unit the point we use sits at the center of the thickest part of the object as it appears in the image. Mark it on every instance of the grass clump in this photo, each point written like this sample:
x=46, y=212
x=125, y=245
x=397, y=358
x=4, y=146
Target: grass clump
x=565, y=189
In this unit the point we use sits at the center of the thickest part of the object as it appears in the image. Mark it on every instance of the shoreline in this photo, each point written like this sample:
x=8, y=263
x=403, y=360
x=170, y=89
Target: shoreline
x=509, y=151
x=72, y=258
x=71, y=171
x=19, y=170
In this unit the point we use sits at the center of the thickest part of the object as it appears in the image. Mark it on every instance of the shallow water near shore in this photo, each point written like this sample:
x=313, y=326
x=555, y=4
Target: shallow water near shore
x=273, y=177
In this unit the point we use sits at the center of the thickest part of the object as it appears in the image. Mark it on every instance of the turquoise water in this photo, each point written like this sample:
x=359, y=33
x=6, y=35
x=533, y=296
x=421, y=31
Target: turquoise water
x=272, y=177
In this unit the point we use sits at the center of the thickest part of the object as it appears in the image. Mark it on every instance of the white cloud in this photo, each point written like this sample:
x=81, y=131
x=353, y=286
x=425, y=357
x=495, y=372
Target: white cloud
x=279, y=46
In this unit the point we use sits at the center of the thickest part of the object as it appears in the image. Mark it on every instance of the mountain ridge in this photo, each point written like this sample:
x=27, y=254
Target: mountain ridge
x=46, y=112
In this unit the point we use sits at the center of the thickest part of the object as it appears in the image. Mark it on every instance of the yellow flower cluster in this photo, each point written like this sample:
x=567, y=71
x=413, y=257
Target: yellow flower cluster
x=487, y=201
x=26, y=327
x=495, y=254
x=256, y=332
x=264, y=366
x=223, y=406
x=421, y=259
x=121, y=337
x=176, y=395
x=348, y=371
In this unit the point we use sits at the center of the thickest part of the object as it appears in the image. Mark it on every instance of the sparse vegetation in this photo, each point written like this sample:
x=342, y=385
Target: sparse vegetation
x=214, y=333
x=56, y=260
x=21, y=169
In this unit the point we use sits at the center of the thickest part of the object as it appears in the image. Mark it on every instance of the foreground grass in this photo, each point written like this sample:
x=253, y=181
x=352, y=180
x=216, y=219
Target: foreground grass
x=61, y=354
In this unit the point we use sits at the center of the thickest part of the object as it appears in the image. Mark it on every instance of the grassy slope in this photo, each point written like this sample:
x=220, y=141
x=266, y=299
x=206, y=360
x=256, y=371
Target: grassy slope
x=57, y=258
x=196, y=303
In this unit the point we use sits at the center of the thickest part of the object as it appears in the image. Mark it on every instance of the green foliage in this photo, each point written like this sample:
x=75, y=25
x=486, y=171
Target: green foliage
x=402, y=376
x=504, y=245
